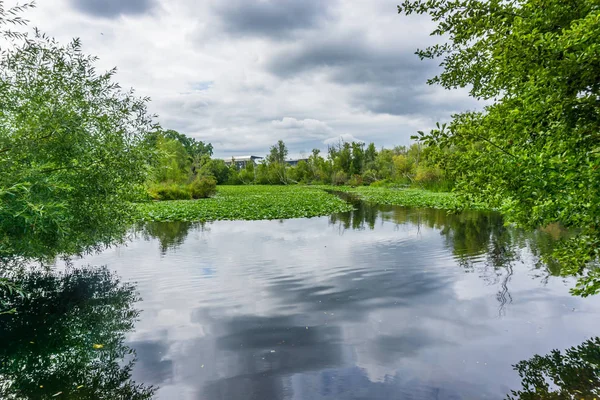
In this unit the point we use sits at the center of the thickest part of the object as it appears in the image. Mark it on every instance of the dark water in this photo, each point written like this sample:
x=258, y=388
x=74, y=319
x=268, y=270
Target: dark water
x=381, y=303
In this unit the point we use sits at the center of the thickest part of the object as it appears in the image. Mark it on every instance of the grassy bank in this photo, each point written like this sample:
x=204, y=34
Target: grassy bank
x=402, y=197
x=247, y=203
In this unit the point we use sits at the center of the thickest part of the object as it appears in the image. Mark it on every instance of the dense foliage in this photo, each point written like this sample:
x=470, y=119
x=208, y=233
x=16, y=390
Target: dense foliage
x=534, y=152
x=247, y=203
x=71, y=150
x=177, y=173
x=345, y=163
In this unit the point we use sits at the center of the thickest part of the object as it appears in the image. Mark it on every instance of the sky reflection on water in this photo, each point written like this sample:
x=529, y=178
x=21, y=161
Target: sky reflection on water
x=382, y=303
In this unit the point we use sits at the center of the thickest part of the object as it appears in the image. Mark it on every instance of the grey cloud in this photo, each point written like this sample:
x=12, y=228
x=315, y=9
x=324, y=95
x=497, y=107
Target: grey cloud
x=113, y=8
x=386, y=79
x=308, y=56
x=351, y=58
x=348, y=64
x=271, y=18
x=395, y=100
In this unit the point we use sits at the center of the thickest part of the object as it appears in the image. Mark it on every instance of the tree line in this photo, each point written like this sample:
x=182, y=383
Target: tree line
x=344, y=163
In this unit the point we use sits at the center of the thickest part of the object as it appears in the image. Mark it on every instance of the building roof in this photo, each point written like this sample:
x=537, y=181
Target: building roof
x=242, y=158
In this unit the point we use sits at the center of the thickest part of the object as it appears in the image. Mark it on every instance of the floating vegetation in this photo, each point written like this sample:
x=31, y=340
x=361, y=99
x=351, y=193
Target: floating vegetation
x=247, y=203
x=403, y=197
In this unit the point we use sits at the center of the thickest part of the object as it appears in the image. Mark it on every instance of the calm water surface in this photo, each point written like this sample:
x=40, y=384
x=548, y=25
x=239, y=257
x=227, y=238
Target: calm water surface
x=381, y=303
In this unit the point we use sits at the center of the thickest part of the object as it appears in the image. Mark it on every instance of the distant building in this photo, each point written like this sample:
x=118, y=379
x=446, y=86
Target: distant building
x=293, y=163
x=242, y=161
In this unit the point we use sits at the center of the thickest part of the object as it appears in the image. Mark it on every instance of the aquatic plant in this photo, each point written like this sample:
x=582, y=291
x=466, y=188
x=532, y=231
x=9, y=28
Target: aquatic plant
x=247, y=203
x=403, y=197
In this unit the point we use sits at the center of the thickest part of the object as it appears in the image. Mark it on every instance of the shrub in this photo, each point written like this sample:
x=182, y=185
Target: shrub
x=369, y=177
x=428, y=175
x=216, y=168
x=381, y=183
x=245, y=176
x=442, y=185
x=170, y=191
x=356, y=180
x=203, y=187
x=339, y=178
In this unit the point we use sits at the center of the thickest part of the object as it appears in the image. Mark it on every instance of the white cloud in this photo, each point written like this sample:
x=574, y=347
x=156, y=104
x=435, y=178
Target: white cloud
x=310, y=125
x=345, y=137
x=355, y=73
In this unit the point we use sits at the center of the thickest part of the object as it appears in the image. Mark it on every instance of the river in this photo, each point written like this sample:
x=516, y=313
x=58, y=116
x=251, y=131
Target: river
x=379, y=303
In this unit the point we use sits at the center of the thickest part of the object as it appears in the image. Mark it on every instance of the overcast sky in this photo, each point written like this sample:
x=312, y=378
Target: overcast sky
x=242, y=74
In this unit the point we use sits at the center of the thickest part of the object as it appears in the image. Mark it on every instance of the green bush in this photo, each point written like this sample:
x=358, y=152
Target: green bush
x=381, y=183
x=356, y=180
x=427, y=175
x=170, y=191
x=443, y=185
x=203, y=187
x=246, y=176
x=369, y=177
x=339, y=178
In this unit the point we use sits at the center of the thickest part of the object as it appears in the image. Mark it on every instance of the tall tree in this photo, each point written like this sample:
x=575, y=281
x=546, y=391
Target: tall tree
x=276, y=163
x=358, y=158
x=278, y=153
x=72, y=148
x=370, y=156
x=534, y=153
x=173, y=163
x=194, y=148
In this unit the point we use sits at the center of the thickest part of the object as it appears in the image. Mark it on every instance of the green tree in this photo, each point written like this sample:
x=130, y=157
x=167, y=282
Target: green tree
x=261, y=173
x=10, y=18
x=193, y=147
x=384, y=164
x=173, y=164
x=72, y=149
x=213, y=167
x=341, y=156
x=246, y=175
x=403, y=167
x=276, y=162
x=301, y=173
x=370, y=156
x=358, y=158
x=534, y=152
x=278, y=153
x=414, y=153
x=315, y=166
